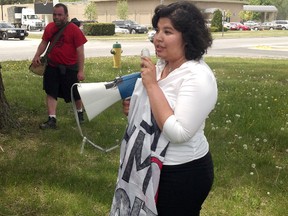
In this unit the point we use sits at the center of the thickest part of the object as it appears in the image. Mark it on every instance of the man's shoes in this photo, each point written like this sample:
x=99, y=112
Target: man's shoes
x=80, y=117
x=50, y=124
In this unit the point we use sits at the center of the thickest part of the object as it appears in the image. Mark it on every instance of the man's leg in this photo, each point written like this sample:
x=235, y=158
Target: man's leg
x=78, y=104
x=79, y=108
x=51, y=106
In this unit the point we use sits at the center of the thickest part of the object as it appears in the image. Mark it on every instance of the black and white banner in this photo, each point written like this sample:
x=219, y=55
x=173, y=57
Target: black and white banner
x=142, y=153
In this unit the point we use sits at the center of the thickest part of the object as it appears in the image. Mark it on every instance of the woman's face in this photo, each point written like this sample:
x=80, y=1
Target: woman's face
x=168, y=42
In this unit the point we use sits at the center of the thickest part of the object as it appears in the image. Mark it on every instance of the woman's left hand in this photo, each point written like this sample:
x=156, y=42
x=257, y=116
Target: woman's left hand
x=126, y=105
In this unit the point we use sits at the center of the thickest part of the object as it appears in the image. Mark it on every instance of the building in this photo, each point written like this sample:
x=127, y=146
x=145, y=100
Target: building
x=269, y=12
x=142, y=11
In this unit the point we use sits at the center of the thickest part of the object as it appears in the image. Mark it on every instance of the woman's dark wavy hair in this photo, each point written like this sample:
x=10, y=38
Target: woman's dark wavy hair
x=187, y=19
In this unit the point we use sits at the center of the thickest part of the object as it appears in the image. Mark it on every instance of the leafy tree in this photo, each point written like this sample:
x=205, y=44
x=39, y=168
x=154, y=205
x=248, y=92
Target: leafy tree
x=122, y=9
x=260, y=2
x=91, y=11
x=246, y=15
x=216, y=21
x=228, y=15
x=281, y=5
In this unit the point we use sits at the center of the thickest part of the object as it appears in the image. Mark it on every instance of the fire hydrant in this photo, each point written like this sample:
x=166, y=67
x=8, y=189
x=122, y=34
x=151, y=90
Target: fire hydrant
x=116, y=52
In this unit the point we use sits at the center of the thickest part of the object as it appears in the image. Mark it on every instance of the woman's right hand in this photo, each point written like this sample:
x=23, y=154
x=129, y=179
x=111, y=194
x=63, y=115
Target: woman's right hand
x=126, y=105
x=148, y=72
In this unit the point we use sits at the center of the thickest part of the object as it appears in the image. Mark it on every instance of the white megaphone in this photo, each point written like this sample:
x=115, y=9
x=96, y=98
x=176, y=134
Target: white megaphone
x=96, y=97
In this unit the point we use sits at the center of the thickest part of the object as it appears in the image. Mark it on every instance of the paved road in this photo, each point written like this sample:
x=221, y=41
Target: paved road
x=270, y=47
x=14, y=49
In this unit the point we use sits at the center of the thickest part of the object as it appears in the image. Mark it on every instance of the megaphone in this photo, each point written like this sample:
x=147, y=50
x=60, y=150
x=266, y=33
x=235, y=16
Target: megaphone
x=96, y=97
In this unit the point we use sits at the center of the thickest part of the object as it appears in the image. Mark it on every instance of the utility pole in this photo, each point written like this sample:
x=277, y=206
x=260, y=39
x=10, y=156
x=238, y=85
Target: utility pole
x=2, y=17
x=223, y=19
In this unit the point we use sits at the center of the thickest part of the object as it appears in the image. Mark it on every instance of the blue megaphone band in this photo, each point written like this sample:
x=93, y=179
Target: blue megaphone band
x=127, y=84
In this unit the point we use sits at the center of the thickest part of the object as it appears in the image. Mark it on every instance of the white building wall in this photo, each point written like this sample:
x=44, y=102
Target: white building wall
x=139, y=10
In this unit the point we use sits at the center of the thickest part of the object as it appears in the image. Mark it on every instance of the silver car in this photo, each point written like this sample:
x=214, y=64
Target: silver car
x=268, y=25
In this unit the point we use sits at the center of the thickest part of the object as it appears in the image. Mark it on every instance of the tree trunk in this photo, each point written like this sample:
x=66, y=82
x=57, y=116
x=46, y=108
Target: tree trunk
x=6, y=119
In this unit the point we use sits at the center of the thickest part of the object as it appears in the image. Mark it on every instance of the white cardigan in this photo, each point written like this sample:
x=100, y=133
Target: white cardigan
x=191, y=91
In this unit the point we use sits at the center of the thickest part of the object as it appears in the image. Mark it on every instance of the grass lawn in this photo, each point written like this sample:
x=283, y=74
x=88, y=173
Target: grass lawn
x=43, y=172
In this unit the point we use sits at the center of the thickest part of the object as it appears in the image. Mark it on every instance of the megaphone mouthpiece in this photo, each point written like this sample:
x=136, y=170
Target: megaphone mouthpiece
x=127, y=84
x=145, y=53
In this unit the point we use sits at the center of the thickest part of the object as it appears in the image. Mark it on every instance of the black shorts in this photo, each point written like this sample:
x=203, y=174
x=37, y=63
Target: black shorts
x=183, y=188
x=57, y=82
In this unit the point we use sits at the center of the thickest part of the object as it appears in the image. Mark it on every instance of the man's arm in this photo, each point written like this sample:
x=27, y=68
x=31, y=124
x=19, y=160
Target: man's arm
x=41, y=48
x=80, y=56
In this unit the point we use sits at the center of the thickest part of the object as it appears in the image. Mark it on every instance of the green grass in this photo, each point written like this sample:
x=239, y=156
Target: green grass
x=43, y=172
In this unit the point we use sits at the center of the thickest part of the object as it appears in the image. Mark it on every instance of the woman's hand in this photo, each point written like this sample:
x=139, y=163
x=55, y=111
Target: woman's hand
x=159, y=105
x=148, y=72
x=126, y=105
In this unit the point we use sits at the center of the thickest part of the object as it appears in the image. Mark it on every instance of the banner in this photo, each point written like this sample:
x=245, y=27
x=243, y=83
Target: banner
x=44, y=6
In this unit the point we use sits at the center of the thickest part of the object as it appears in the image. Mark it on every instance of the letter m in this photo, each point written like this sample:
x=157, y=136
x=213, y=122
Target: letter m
x=136, y=154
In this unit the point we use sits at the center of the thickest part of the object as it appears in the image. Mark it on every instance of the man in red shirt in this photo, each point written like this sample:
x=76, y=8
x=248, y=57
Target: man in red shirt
x=65, y=63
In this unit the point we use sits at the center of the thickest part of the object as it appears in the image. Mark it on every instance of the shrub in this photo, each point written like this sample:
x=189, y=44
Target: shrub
x=214, y=29
x=216, y=21
x=97, y=29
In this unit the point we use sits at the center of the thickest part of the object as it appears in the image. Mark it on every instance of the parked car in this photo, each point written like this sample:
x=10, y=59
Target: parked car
x=238, y=26
x=9, y=31
x=151, y=35
x=268, y=25
x=281, y=24
x=208, y=23
x=257, y=27
x=226, y=25
x=132, y=26
x=251, y=23
x=119, y=30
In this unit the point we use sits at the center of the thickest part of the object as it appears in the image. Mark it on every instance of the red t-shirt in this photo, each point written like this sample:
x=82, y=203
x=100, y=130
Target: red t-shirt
x=64, y=51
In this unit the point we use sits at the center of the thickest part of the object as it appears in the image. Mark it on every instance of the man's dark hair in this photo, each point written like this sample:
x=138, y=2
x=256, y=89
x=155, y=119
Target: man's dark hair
x=187, y=19
x=62, y=5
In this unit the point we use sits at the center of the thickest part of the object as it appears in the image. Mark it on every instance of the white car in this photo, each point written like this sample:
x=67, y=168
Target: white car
x=226, y=25
x=281, y=24
x=251, y=23
x=151, y=35
x=119, y=30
